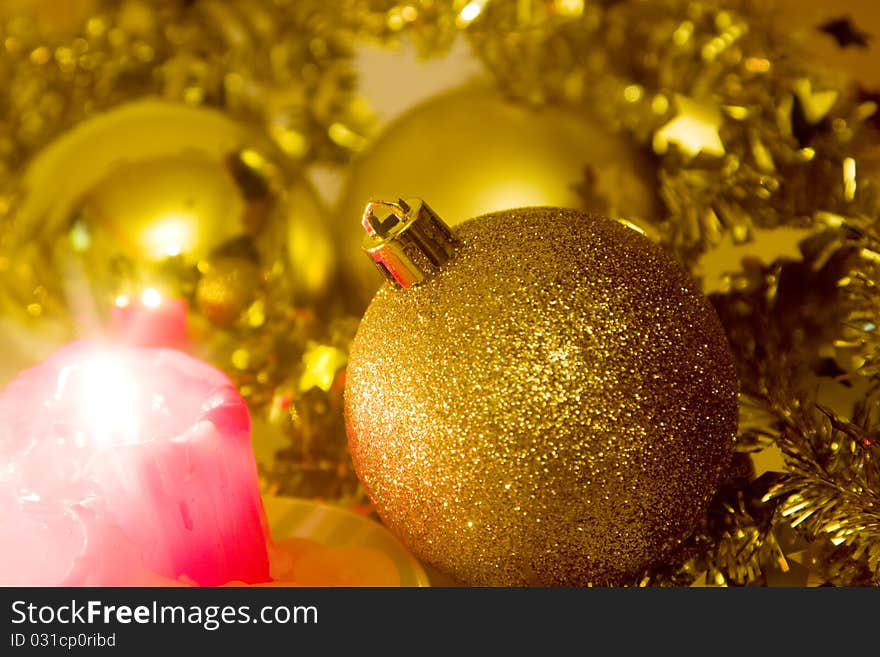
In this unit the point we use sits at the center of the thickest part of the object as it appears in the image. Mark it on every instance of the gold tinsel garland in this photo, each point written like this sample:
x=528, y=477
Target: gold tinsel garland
x=745, y=140
x=278, y=63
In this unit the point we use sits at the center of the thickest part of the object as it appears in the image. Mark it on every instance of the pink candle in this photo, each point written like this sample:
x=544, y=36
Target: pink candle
x=149, y=320
x=120, y=465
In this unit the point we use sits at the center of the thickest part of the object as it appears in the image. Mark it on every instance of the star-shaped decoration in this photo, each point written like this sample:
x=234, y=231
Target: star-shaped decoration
x=321, y=365
x=695, y=129
x=844, y=32
x=814, y=104
x=804, y=113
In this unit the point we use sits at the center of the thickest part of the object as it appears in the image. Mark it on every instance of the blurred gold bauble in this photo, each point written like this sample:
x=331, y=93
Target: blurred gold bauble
x=471, y=152
x=177, y=204
x=165, y=196
x=556, y=404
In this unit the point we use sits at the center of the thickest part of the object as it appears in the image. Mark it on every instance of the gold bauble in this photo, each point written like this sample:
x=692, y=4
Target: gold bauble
x=309, y=247
x=161, y=195
x=471, y=152
x=554, y=405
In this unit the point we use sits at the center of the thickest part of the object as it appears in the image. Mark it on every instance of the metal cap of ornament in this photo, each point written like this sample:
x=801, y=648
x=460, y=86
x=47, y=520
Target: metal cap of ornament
x=407, y=240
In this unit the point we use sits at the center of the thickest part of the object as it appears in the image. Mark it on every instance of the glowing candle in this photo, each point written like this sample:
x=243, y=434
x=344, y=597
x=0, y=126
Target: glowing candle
x=149, y=320
x=123, y=465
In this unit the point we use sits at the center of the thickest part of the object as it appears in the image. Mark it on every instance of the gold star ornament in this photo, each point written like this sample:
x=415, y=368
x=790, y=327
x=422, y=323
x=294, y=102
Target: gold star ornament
x=695, y=129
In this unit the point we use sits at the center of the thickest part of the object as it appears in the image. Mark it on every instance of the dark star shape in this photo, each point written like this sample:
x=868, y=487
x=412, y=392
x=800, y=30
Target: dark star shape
x=844, y=32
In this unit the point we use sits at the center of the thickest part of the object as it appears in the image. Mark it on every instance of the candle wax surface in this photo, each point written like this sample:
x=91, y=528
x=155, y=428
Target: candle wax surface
x=150, y=321
x=123, y=466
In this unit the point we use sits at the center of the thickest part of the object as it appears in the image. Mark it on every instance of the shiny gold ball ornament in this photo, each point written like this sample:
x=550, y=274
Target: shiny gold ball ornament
x=163, y=196
x=478, y=152
x=538, y=396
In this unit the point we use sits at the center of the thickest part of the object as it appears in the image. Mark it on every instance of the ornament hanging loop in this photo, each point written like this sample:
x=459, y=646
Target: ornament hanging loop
x=406, y=240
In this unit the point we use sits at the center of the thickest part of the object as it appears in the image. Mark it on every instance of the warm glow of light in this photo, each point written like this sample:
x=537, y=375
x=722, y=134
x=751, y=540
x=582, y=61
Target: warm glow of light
x=868, y=254
x=632, y=93
x=506, y=194
x=849, y=179
x=151, y=298
x=571, y=8
x=757, y=64
x=291, y=141
x=79, y=236
x=409, y=13
x=683, y=33
x=252, y=158
x=659, y=104
x=469, y=13
x=122, y=301
x=632, y=226
x=170, y=235
x=693, y=130
x=322, y=362
x=109, y=397
x=344, y=136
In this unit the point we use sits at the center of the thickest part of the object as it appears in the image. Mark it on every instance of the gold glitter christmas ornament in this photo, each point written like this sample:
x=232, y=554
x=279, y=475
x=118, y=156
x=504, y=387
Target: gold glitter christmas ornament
x=538, y=397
